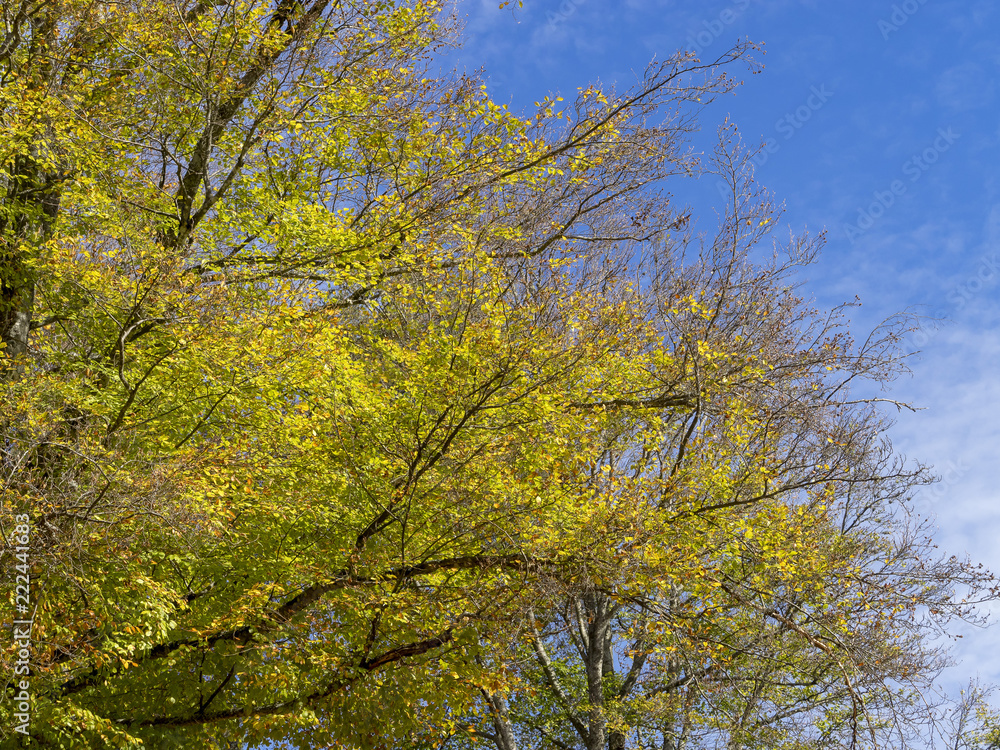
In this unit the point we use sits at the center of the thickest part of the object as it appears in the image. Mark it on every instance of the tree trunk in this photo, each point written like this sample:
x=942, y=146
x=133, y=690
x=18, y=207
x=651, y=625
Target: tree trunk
x=597, y=608
x=505, y=739
x=32, y=204
x=17, y=298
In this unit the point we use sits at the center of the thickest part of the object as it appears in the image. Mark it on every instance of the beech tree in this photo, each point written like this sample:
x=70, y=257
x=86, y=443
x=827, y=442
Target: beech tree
x=322, y=374
x=789, y=596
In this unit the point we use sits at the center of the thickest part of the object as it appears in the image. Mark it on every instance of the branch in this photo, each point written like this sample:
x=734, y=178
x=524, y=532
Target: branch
x=271, y=621
x=296, y=704
x=550, y=675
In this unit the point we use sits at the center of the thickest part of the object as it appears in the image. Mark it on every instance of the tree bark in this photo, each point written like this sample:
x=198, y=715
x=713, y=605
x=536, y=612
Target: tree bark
x=505, y=739
x=598, y=609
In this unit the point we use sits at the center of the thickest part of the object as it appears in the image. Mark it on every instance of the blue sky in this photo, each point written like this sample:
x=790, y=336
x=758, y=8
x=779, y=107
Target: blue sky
x=884, y=130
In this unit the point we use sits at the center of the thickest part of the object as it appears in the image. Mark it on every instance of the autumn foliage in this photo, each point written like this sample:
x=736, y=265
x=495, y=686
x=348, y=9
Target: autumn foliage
x=350, y=408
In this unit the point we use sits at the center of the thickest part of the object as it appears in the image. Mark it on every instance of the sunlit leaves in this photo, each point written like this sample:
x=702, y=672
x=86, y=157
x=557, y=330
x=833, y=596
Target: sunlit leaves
x=334, y=367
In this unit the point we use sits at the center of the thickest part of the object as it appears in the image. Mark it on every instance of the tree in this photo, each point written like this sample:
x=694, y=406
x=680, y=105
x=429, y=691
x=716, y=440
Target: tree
x=318, y=370
x=837, y=661
x=782, y=592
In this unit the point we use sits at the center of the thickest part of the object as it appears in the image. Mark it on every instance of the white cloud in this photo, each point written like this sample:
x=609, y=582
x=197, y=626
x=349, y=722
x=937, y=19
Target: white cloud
x=964, y=87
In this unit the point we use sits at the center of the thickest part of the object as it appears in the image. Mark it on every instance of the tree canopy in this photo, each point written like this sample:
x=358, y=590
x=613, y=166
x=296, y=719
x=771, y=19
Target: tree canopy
x=350, y=409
